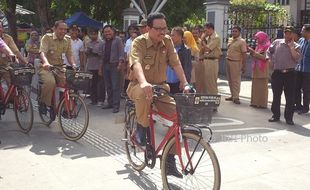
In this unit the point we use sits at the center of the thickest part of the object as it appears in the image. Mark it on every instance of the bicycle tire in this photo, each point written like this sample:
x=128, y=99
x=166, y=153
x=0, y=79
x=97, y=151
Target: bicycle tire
x=190, y=181
x=129, y=144
x=66, y=120
x=23, y=107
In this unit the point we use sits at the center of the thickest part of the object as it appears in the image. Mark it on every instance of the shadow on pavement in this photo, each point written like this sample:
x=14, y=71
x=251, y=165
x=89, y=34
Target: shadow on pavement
x=44, y=141
x=141, y=180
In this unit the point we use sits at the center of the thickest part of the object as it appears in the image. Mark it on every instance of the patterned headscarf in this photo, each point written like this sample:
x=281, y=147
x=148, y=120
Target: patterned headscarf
x=263, y=44
x=189, y=40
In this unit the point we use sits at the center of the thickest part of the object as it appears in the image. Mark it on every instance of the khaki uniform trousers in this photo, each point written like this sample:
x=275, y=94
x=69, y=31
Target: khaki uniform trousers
x=49, y=81
x=165, y=104
x=206, y=76
x=233, y=71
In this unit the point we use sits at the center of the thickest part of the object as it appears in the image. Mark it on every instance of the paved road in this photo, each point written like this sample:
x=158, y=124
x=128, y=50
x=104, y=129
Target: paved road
x=253, y=153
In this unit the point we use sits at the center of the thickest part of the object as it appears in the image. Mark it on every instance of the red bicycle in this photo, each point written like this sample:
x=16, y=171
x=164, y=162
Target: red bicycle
x=195, y=158
x=72, y=112
x=18, y=95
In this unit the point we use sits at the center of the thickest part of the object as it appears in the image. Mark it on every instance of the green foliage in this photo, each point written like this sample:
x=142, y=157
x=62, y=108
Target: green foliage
x=194, y=20
x=179, y=12
x=259, y=13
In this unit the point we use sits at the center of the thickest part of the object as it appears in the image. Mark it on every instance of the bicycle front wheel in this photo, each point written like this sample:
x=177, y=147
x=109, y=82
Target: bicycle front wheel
x=73, y=117
x=23, y=110
x=202, y=170
x=135, y=154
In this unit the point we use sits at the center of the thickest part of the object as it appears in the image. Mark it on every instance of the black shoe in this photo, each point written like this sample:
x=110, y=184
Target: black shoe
x=65, y=115
x=107, y=107
x=141, y=135
x=302, y=111
x=115, y=110
x=52, y=113
x=290, y=122
x=273, y=119
x=229, y=99
x=42, y=108
x=236, y=101
x=171, y=167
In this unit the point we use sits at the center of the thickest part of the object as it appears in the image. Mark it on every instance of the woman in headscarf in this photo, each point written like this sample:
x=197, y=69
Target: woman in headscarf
x=259, y=96
x=32, y=47
x=190, y=42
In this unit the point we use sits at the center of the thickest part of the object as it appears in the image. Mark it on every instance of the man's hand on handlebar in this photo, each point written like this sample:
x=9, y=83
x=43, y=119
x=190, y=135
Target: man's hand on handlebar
x=147, y=89
x=46, y=66
x=188, y=88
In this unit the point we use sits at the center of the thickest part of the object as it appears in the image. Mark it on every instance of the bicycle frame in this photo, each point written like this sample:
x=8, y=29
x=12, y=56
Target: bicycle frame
x=10, y=93
x=174, y=131
x=65, y=96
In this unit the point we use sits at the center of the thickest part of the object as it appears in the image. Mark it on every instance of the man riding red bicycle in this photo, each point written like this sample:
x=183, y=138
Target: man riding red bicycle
x=53, y=49
x=150, y=54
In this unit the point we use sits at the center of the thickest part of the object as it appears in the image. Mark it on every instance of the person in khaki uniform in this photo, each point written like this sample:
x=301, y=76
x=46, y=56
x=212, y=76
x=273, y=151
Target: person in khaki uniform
x=150, y=53
x=235, y=63
x=11, y=44
x=53, y=49
x=208, y=67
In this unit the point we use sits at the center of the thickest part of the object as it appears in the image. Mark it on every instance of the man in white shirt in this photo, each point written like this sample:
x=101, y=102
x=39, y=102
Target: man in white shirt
x=77, y=48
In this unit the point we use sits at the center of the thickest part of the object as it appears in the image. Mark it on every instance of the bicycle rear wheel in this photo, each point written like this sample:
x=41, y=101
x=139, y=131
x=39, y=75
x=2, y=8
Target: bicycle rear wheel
x=135, y=154
x=23, y=110
x=73, y=117
x=202, y=170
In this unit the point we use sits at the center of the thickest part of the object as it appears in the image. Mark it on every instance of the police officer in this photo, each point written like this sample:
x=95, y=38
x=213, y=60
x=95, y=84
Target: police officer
x=53, y=49
x=150, y=54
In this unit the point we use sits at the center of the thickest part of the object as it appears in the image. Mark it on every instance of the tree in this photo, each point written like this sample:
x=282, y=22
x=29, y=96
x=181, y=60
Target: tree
x=258, y=14
x=9, y=9
x=42, y=10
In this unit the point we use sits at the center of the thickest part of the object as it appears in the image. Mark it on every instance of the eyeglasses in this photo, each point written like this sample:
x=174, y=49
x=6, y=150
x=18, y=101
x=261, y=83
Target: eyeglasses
x=160, y=29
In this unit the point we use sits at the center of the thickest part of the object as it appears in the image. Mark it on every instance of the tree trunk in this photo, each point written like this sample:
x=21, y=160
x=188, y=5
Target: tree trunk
x=10, y=13
x=43, y=13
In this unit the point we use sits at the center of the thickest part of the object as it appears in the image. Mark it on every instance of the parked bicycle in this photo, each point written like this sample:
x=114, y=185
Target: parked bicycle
x=71, y=110
x=195, y=158
x=16, y=94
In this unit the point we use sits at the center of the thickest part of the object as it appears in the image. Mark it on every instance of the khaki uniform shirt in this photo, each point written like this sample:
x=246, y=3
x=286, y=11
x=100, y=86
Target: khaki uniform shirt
x=236, y=47
x=153, y=58
x=214, y=44
x=11, y=44
x=56, y=50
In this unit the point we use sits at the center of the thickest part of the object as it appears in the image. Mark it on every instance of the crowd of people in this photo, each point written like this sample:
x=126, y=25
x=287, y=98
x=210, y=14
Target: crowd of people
x=108, y=55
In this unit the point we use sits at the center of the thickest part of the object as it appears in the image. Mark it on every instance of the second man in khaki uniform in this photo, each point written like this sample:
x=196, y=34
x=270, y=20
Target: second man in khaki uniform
x=235, y=63
x=208, y=67
x=53, y=49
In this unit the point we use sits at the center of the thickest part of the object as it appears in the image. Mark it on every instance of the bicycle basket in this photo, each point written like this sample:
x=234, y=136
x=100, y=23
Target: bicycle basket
x=78, y=80
x=196, y=108
x=22, y=76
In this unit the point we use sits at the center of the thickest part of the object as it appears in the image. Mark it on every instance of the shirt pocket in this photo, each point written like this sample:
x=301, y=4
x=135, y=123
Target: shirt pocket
x=148, y=67
x=52, y=49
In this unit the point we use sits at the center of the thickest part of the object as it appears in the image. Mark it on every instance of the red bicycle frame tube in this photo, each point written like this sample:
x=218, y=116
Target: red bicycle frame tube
x=174, y=130
x=56, y=108
x=5, y=97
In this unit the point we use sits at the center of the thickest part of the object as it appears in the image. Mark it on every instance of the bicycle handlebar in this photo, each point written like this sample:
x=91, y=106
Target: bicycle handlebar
x=160, y=91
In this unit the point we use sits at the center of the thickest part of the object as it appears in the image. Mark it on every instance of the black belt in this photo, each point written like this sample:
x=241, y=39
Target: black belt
x=284, y=70
x=208, y=58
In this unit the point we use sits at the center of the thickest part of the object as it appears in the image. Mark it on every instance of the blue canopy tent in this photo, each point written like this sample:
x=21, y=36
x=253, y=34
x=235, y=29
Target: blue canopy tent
x=82, y=20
